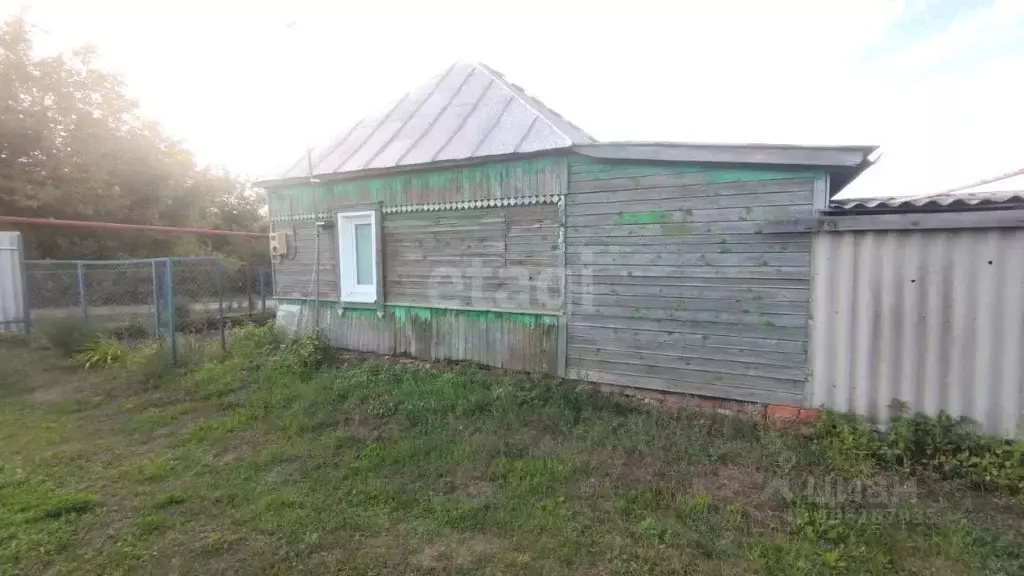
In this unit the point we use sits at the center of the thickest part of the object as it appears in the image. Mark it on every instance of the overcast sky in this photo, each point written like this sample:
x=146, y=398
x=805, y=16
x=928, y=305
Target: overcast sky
x=246, y=85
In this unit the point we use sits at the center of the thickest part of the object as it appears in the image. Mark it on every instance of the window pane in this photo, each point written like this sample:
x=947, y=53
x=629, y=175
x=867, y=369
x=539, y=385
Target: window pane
x=364, y=255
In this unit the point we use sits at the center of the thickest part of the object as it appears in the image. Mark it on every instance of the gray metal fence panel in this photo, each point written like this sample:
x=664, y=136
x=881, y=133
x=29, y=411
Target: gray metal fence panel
x=13, y=307
x=932, y=318
x=146, y=299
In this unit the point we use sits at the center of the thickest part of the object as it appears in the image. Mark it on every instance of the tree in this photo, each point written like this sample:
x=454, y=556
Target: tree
x=74, y=146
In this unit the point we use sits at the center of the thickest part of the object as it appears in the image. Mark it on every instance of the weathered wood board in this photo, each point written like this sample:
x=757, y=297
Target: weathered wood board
x=672, y=284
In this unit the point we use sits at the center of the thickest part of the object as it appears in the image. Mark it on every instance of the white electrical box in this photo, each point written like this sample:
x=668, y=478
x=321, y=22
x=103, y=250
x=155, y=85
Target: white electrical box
x=278, y=245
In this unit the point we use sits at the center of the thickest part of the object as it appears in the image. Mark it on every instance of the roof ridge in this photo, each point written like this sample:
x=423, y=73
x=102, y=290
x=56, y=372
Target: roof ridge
x=532, y=102
x=408, y=118
x=437, y=116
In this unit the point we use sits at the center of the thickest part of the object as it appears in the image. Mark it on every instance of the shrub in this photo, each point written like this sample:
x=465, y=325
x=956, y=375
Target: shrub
x=254, y=343
x=102, y=352
x=67, y=334
x=131, y=331
x=148, y=363
x=195, y=349
x=305, y=354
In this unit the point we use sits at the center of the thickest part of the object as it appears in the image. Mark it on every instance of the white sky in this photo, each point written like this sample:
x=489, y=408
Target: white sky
x=247, y=85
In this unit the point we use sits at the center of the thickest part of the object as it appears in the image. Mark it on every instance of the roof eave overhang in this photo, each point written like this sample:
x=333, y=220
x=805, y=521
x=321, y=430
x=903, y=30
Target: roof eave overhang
x=772, y=154
x=843, y=163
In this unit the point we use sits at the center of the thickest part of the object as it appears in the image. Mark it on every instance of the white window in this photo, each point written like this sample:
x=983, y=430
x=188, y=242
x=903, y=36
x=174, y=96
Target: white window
x=357, y=249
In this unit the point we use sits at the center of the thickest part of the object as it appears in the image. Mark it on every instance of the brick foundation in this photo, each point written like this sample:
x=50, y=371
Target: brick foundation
x=774, y=415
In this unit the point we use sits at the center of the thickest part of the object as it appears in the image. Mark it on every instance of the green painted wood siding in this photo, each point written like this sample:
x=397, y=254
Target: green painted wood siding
x=294, y=209
x=673, y=285
x=526, y=342
x=542, y=175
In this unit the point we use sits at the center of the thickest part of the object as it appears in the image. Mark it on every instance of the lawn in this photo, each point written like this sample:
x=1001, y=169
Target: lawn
x=261, y=462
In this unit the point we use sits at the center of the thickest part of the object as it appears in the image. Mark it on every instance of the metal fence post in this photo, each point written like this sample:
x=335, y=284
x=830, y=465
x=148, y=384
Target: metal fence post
x=83, y=302
x=26, y=304
x=263, y=291
x=248, y=288
x=169, y=298
x=220, y=304
x=156, y=301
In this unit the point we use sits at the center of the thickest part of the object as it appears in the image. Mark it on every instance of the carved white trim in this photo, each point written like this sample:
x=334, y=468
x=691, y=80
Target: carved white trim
x=472, y=204
x=436, y=207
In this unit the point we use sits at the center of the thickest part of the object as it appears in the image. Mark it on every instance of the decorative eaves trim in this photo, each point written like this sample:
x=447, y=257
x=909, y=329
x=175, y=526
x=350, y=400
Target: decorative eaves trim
x=435, y=207
x=471, y=204
x=303, y=216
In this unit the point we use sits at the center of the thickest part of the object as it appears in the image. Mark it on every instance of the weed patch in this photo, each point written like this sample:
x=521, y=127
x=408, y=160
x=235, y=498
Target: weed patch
x=102, y=352
x=942, y=445
x=65, y=504
x=170, y=499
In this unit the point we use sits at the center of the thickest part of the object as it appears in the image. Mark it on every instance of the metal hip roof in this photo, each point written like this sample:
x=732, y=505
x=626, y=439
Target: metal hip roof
x=467, y=112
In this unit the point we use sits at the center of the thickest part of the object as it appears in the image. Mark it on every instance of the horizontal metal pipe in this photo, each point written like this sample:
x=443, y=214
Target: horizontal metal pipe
x=127, y=227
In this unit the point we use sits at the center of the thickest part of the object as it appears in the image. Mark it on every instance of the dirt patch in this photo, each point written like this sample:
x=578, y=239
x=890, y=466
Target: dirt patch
x=1006, y=512
x=458, y=553
x=476, y=492
x=477, y=547
x=369, y=428
x=636, y=471
x=433, y=556
x=59, y=387
x=732, y=484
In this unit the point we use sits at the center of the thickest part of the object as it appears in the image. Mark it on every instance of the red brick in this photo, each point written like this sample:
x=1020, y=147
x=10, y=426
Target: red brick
x=809, y=416
x=779, y=413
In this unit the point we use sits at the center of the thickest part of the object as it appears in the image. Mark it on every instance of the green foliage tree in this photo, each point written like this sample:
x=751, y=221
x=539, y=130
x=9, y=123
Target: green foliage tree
x=74, y=146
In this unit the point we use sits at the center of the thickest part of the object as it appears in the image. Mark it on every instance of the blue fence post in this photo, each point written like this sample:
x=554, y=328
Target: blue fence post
x=83, y=302
x=156, y=302
x=169, y=298
x=220, y=303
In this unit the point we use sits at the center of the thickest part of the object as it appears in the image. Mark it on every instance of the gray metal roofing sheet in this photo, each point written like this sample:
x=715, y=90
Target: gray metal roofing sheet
x=943, y=201
x=469, y=111
x=1007, y=190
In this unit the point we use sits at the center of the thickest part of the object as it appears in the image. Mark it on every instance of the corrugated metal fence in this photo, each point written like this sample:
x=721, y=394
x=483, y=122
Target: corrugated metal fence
x=13, y=306
x=933, y=318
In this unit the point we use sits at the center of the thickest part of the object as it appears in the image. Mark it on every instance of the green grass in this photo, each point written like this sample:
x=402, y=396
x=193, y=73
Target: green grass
x=259, y=462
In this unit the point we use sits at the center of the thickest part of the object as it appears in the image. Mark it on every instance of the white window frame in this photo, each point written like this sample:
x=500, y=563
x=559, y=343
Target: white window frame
x=346, y=227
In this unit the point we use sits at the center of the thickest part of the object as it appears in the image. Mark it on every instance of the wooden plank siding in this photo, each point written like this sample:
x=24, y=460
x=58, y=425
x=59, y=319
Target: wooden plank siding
x=293, y=275
x=481, y=284
x=490, y=258
x=673, y=285
x=508, y=241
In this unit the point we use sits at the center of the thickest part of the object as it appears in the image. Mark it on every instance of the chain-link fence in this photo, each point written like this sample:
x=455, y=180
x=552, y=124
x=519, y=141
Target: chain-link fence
x=147, y=299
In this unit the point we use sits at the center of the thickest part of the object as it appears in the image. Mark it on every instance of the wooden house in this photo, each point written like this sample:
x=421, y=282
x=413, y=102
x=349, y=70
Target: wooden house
x=470, y=221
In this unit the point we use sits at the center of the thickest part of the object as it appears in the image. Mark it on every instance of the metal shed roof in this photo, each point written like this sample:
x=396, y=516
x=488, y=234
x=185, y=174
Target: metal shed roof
x=1003, y=191
x=469, y=111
